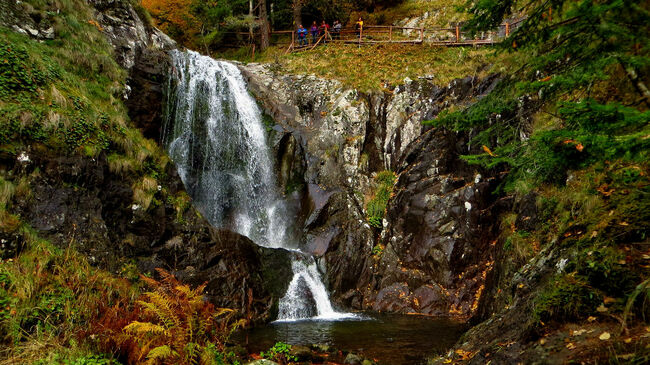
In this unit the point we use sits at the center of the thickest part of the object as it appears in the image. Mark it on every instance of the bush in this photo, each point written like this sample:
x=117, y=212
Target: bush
x=566, y=298
x=280, y=352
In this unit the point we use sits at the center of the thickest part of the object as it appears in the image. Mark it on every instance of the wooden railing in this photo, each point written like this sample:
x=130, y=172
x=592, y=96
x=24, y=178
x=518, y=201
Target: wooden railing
x=377, y=34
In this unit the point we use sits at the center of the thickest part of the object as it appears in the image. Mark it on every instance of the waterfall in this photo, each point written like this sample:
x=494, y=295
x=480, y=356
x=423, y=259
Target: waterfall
x=215, y=136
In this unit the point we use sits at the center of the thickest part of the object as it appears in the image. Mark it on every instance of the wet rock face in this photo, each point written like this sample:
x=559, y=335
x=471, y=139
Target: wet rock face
x=126, y=32
x=438, y=232
x=143, y=51
x=438, y=228
x=77, y=202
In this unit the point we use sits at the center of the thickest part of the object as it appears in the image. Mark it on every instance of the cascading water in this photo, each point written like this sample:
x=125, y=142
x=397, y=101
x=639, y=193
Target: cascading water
x=214, y=134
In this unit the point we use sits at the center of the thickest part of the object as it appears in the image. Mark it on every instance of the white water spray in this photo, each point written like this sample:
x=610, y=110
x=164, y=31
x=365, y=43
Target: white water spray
x=214, y=134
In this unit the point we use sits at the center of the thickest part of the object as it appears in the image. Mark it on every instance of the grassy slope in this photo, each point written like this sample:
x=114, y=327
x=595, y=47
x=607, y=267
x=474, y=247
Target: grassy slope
x=371, y=67
x=62, y=96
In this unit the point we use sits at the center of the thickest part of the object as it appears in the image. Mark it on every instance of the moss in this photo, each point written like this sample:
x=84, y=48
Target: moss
x=566, y=298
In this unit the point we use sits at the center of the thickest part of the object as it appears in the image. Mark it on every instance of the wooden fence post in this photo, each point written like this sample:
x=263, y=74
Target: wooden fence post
x=457, y=34
x=422, y=35
x=390, y=33
x=507, y=29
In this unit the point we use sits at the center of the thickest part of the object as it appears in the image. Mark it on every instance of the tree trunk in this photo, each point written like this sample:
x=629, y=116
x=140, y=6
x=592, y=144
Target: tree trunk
x=297, y=12
x=265, y=27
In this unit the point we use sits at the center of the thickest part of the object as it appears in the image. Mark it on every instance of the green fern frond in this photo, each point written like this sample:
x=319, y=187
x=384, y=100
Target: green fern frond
x=161, y=353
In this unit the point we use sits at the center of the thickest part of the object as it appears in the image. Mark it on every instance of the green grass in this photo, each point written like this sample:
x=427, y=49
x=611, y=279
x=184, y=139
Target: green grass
x=51, y=297
x=66, y=94
x=378, y=201
x=374, y=67
x=63, y=97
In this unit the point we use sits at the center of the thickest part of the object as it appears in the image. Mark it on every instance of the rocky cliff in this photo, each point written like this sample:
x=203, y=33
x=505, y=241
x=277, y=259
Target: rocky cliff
x=434, y=251
x=83, y=201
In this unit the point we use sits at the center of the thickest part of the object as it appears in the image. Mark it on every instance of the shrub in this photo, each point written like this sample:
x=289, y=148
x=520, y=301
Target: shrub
x=566, y=298
x=177, y=325
x=280, y=352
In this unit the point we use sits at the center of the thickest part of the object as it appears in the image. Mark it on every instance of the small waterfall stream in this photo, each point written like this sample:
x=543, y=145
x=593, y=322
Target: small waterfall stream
x=214, y=134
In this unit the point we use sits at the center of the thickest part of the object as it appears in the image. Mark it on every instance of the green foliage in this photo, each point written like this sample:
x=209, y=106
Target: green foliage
x=605, y=269
x=217, y=357
x=378, y=250
x=280, y=352
x=640, y=294
x=5, y=301
x=376, y=206
x=612, y=38
x=17, y=72
x=50, y=296
x=78, y=360
x=566, y=298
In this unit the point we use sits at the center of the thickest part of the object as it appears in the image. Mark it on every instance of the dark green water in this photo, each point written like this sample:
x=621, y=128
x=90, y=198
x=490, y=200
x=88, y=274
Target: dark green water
x=390, y=339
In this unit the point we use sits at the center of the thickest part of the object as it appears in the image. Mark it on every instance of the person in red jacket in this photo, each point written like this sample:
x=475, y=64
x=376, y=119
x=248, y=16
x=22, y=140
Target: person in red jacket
x=324, y=29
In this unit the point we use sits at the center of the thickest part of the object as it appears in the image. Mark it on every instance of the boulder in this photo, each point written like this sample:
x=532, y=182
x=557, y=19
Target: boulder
x=352, y=359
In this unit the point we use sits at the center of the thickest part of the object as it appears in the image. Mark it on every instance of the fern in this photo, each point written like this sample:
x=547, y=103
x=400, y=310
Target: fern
x=138, y=328
x=161, y=353
x=176, y=325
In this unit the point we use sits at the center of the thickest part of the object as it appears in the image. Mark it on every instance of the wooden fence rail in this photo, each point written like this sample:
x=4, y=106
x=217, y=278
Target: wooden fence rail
x=453, y=36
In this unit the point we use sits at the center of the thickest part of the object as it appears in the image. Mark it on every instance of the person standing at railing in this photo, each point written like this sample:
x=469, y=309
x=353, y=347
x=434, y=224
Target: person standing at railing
x=314, y=32
x=324, y=30
x=359, y=27
x=302, y=35
x=336, y=30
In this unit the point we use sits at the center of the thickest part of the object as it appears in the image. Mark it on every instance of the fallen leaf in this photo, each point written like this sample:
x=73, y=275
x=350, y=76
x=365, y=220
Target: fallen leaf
x=628, y=340
x=542, y=341
x=578, y=332
x=488, y=151
x=622, y=262
x=594, y=234
x=608, y=300
x=591, y=319
x=547, y=78
x=580, y=147
x=605, y=336
x=602, y=308
x=624, y=224
x=570, y=346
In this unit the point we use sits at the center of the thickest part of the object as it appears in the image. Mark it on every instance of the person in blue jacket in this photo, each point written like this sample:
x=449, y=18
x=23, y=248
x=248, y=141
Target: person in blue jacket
x=302, y=35
x=314, y=32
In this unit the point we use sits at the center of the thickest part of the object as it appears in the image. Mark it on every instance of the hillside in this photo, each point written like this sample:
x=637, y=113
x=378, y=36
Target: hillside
x=460, y=204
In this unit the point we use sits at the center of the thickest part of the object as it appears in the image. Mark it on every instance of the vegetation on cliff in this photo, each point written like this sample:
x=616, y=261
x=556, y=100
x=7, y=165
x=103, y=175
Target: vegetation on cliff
x=61, y=99
x=571, y=127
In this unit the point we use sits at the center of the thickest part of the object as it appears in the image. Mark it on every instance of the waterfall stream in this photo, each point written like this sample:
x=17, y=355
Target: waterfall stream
x=215, y=135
